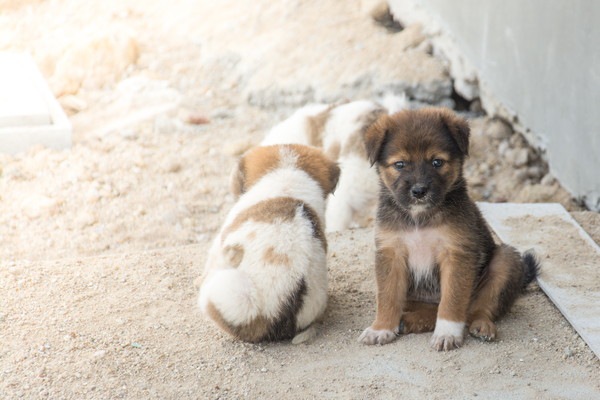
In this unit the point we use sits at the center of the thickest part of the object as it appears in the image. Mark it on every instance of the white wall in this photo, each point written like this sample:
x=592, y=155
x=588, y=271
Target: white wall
x=540, y=59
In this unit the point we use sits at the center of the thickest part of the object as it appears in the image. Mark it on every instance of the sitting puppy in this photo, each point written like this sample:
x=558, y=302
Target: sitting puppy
x=437, y=266
x=339, y=131
x=266, y=273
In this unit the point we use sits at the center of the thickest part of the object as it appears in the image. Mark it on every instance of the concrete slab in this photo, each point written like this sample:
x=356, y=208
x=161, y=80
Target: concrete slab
x=29, y=113
x=570, y=259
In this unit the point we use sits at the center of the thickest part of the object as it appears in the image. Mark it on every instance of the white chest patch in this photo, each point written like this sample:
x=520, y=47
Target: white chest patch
x=423, y=246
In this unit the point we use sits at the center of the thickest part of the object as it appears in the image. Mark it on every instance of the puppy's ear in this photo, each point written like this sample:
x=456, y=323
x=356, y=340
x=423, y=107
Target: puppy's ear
x=237, y=179
x=459, y=129
x=334, y=176
x=375, y=137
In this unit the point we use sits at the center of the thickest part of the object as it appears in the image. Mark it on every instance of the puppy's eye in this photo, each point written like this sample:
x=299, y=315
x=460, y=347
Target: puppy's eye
x=437, y=163
x=399, y=165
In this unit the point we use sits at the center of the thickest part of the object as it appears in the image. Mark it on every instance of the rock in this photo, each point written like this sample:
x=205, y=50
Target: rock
x=406, y=69
x=99, y=354
x=222, y=114
x=498, y=129
x=476, y=107
x=543, y=194
x=548, y=179
x=72, y=104
x=503, y=148
x=174, y=167
x=568, y=352
x=92, y=196
x=95, y=61
x=37, y=205
x=273, y=97
x=517, y=157
x=193, y=117
x=382, y=16
x=535, y=172
x=419, y=75
x=86, y=219
x=237, y=147
x=129, y=134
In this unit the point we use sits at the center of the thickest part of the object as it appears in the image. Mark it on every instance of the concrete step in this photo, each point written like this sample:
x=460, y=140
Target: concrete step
x=570, y=259
x=29, y=113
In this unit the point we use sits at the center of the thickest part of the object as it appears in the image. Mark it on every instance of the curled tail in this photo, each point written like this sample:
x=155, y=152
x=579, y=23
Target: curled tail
x=229, y=298
x=531, y=268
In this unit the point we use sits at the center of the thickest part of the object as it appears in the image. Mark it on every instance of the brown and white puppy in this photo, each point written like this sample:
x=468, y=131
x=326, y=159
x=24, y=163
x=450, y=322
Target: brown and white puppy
x=339, y=129
x=437, y=266
x=266, y=273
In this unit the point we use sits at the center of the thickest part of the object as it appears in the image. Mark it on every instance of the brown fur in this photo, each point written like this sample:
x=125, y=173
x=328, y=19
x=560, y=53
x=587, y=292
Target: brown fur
x=252, y=332
x=316, y=126
x=258, y=161
x=426, y=217
x=273, y=257
x=234, y=254
x=279, y=209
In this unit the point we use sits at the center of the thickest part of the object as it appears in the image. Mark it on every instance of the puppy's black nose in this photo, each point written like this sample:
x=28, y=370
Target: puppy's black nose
x=418, y=191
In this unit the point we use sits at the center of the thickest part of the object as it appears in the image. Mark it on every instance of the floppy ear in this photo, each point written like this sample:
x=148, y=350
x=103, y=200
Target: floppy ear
x=334, y=176
x=459, y=130
x=375, y=137
x=237, y=179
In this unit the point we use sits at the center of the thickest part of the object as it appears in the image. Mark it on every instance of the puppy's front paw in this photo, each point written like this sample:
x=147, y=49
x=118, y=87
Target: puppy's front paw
x=374, y=336
x=446, y=342
x=448, y=335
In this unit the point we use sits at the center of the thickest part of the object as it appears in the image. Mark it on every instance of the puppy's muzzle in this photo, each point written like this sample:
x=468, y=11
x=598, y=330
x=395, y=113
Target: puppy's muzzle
x=418, y=190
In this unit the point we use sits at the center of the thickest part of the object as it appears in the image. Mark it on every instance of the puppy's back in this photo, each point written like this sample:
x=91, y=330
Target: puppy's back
x=273, y=255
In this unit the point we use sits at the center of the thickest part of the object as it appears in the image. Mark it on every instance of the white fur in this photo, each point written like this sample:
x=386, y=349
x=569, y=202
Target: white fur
x=355, y=198
x=423, y=246
x=373, y=336
x=449, y=328
x=345, y=120
x=256, y=287
x=447, y=335
x=294, y=129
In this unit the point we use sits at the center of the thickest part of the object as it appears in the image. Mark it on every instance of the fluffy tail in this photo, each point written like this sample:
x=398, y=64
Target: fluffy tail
x=531, y=268
x=229, y=297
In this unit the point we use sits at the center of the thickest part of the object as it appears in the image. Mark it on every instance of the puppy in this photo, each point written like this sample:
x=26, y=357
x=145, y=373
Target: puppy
x=266, y=276
x=437, y=266
x=339, y=131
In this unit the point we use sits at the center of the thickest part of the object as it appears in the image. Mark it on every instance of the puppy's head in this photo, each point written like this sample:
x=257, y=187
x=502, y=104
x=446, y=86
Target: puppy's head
x=419, y=155
x=260, y=161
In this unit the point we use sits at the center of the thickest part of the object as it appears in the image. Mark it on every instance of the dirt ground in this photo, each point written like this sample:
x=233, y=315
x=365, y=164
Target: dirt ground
x=101, y=244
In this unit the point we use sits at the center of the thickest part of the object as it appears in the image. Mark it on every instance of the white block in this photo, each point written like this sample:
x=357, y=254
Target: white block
x=29, y=113
x=569, y=256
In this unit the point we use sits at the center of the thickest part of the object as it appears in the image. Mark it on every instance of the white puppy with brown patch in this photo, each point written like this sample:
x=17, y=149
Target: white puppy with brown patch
x=339, y=130
x=266, y=273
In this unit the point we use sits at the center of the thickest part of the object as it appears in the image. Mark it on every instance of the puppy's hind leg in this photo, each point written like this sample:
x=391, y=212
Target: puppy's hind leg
x=338, y=215
x=418, y=317
x=506, y=277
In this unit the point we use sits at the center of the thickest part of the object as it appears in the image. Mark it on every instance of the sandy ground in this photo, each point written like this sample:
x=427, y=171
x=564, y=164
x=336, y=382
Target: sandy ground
x=101, y=244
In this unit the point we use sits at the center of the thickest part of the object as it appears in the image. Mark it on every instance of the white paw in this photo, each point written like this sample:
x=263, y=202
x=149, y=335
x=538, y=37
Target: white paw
x=372, y=336
x=448, y=335
x=445, y=342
